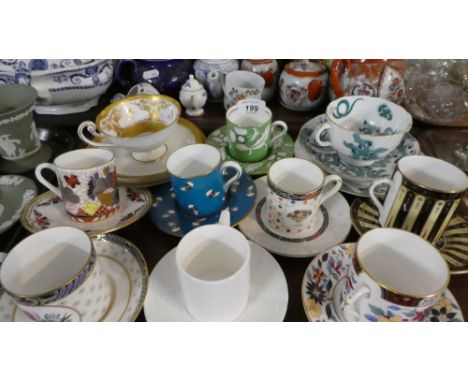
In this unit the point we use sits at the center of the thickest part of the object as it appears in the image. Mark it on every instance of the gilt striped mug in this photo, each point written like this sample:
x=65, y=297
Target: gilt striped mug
x=423, y=194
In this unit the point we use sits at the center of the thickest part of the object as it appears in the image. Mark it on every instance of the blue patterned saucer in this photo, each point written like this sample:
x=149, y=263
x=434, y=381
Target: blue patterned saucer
x=166, y=215
x=358, y=178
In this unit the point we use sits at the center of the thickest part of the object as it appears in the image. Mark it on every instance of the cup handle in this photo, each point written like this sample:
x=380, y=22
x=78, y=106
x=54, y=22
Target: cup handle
x=236, y=176
x=332, y=191
x=282, y=131
x=41, y=179
x=350, y=303
x=318, y=132
x=373, y=196
x=90, y=127
x=225, y=217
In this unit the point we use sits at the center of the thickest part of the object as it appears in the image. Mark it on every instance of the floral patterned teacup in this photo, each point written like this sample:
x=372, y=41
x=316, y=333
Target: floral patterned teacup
x=395, y=276
x=237, y=85
x=364, y=129
x=55, y=275
x=296, y=190
x=88, y=183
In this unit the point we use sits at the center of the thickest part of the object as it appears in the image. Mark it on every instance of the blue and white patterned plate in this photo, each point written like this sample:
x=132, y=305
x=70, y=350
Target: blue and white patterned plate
x=326, y=271
x=166, y=215
x=356, y=179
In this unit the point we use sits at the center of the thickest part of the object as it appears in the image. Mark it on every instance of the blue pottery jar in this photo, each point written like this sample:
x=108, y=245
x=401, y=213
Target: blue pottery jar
x=165, y=75
x=196, y=174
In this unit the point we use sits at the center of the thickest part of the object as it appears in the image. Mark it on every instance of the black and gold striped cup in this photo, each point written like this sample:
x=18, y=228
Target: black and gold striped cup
x=423, y=194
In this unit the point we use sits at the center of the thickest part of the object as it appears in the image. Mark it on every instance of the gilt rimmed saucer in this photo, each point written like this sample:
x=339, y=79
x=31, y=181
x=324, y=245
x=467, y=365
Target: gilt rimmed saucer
x=167, y=216
x=332, y=227
x=43, y=154
x=15, y=193
x=453, y=245
x=268, y=299
x=128, y=273
x=281, y=148
x=131, y=172
x=356, y=179
x=47, y=211
x=325, y=273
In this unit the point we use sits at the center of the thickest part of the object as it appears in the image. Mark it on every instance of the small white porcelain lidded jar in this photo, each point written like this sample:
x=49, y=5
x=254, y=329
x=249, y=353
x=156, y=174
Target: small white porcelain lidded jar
x=193, y=96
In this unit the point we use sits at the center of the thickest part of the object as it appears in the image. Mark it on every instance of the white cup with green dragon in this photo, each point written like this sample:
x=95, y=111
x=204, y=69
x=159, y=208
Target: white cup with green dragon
x=87, y=181
x=251, y=132
x=55, y=275
x=363, y=129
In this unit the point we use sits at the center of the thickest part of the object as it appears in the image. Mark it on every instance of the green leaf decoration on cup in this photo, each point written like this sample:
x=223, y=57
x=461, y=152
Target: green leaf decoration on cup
x=385, y=112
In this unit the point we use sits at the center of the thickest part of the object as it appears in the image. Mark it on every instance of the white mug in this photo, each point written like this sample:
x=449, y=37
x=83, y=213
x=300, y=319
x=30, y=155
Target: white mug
x=213, y=266
x=395, y=276
x=55, y=275
x=296, y=190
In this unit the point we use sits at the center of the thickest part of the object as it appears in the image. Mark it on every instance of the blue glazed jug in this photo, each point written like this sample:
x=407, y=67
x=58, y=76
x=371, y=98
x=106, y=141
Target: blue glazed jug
x=165, y=75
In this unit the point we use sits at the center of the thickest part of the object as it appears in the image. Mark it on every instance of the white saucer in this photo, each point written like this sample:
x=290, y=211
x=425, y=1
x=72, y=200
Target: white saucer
x=47, y=211
x=268, y=290
x=333, y=229
x=131, y=172
x=127, y=270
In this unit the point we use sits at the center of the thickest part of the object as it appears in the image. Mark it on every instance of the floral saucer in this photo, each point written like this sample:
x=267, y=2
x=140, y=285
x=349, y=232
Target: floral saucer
x=166, y=215
x=131, y=172
x=46, y=211
x=127, y=270
x=282, y=148
x=26, y=164
x=15, y=192
x=326, y=271
x=333, y=227
x=453, y=244
x=356, y=179
x=268, y=290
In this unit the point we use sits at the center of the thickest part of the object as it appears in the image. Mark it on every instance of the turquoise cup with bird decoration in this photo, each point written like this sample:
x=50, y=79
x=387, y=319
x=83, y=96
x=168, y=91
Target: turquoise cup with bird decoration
x=200, y=179
x=251, y=130
x=363, y=129
x=87, y=183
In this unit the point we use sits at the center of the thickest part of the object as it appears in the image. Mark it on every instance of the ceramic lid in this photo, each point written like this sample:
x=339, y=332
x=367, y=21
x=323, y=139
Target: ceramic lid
x=305, y=68
x=192, y=84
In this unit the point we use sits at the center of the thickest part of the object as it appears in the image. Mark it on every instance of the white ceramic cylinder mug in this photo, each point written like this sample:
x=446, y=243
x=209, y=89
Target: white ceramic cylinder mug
x=213, y=266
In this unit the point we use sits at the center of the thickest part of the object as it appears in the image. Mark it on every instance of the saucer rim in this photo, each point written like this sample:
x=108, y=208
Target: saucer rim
x=260, y=197
x=353, y=245
x=32, y=186
x=359, y=230
x=251, y=243
x=231, y=225
x=345, y=176
x=27, y=211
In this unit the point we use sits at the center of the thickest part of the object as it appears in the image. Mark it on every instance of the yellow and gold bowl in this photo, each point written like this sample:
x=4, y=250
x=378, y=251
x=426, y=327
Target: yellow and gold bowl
x=140, y=123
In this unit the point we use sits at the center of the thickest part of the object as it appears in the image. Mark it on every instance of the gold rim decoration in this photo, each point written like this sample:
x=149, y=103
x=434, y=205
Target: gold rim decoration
x=390, y=289
x=140, y=259
x=453, y=245
x=104, y=113
x=38, y=199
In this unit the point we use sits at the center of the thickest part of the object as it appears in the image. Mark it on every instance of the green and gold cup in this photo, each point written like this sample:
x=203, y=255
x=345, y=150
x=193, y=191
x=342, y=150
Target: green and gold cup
x=251, y=132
